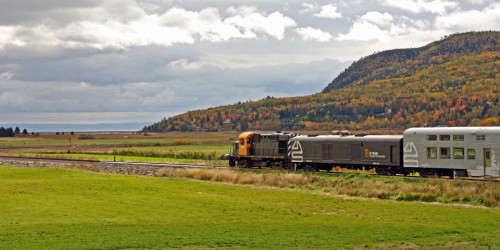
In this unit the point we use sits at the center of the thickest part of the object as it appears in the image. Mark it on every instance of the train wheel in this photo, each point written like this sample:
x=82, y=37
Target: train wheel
x=308, y=168
x=276, y=165
x=423, y=173
x=428, y=173
x=382, y=171
x=245, y=163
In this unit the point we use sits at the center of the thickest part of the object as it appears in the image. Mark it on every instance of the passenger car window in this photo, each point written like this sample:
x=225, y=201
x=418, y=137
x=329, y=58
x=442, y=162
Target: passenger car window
x=480, y=137
x=444, y=137
x=444, y=153
x=432, y=137
x=432, y=153
x=471, y=154
x=458, y=153
x=458, y=137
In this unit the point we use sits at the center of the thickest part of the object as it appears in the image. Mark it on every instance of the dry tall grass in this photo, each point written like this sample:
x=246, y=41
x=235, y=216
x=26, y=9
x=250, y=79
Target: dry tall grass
x=277, y=179
x=426, y=190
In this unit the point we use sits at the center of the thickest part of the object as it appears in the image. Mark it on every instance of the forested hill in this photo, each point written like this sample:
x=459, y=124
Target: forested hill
x=399, y=63
x=454, y=82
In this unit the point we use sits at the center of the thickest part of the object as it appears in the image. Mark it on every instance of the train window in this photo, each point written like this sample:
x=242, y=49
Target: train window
x=242, y=141
x=248, y=140
x=487, y=157
x=480, y=137
x=471, y=154
x=444, y=137
x=458, y=137
x=432, y=153
x=431, y=137
x=444, y=153
x=458, y=153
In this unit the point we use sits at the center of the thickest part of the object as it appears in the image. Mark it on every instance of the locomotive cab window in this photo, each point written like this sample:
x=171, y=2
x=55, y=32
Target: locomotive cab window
x=431, y=137
x=458, y=153
x=242, y=141
x=471, y=154
x=432, y=153
x=458, y=137
x=248, y=140
x=444, y=153
x=444, y=137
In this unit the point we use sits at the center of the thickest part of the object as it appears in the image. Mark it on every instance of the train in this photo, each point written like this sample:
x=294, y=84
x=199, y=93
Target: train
x=439, y=151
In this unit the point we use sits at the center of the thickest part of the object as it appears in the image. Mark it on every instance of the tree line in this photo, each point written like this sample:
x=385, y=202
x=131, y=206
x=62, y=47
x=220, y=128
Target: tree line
x=9, y=132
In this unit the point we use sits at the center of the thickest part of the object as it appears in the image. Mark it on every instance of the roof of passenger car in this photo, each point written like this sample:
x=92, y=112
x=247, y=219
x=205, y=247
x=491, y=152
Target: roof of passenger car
x=366, y=138
x=453, y=130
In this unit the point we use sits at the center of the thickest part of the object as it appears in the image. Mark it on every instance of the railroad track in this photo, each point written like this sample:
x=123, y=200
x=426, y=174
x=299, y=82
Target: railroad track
x=156, y=166
x=159, y=165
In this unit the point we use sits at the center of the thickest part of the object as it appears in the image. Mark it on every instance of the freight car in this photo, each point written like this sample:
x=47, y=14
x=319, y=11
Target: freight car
x=470, y=151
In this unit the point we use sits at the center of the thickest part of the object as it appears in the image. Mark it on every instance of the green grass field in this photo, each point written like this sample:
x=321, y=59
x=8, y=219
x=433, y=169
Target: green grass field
x=65, y=209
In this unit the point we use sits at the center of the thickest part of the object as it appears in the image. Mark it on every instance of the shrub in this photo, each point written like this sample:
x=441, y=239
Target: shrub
x=86, y=137
x=197, y=155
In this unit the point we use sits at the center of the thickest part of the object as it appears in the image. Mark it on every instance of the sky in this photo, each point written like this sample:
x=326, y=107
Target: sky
x=133, y=61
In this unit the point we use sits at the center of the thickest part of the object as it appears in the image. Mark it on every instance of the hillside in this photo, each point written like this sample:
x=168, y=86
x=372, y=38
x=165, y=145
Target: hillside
x=406, y=62
x=454, y=82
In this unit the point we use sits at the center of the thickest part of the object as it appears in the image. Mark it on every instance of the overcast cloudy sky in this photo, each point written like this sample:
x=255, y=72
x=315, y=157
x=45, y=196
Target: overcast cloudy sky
x=140, y=60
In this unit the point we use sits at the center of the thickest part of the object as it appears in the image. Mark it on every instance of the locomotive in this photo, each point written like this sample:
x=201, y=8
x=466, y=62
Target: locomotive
x=442, y=151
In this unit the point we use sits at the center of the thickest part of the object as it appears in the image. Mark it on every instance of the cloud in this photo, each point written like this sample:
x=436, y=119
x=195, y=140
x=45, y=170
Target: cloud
x=329, y=11
x=81, y=96
x=377, y=18
x=487, y=19
x=7, y=37
x=308, y=8
x=122, y=26
x=79, y=118
x=6, y=75
x=420, y=6
x=249, y=20
x=313, y=34
x=171, y=88
x=368, y=27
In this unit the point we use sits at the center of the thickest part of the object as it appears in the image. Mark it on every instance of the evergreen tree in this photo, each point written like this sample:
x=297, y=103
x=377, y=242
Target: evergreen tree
x=10, y=132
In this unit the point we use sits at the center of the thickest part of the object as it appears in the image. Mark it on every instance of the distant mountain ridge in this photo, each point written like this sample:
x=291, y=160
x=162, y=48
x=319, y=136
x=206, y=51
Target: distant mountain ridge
x=394, y=63
x=454, y=81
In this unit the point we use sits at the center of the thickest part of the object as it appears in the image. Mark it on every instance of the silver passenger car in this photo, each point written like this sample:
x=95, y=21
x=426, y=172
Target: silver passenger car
x=460, y=151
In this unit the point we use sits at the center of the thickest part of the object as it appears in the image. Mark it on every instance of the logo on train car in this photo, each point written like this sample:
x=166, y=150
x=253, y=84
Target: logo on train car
x=295, y=152
x=376, y=155
x=370, y=154
x=410, y=157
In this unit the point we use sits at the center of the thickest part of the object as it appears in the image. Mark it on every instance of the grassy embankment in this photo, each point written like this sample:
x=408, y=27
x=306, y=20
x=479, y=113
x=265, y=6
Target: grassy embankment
x=358, y=185
x=62, y=209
